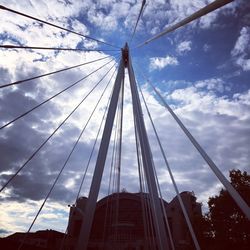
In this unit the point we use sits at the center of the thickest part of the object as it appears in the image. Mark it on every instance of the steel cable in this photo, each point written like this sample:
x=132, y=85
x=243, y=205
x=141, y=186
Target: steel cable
x=56, y=26
x=52, y=97
x=88, y=163
x=39, y=148
x=207, y=9
x=138, y=18
x=184, y=211
x=8, y=46
x=68, y=157
x=53, y=72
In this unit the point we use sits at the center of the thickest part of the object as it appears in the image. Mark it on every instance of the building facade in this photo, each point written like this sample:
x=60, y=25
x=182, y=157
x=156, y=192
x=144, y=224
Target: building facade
x=40, y=240
x=124, y=221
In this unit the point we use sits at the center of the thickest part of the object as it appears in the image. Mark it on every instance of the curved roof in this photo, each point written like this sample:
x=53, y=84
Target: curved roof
x=124, y=195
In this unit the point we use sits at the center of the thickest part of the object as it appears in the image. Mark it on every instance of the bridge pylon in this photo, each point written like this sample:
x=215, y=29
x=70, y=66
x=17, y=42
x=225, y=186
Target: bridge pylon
x=147, y=160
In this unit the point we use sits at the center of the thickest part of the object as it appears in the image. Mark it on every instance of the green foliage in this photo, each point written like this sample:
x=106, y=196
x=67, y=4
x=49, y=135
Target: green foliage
x=225, y=226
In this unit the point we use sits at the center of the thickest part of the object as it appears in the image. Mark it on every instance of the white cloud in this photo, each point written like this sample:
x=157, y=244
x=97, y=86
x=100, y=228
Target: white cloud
x=55, y=11
x=243, y=63
x=242, y=42
x=208, y=20
x=182, y=9
x=193, y=100
x=218, y=123
x=162, y=62
x=213, y=84
x=79, y=27
x=31, y=33
x=185, y=8
x=183, y=47
x=241, y=51
x=207, y=115
x=102, y=21
x=159, y=14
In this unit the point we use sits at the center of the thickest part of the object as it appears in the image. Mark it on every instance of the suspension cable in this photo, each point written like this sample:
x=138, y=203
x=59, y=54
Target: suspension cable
x=115, y=152
x=88, y=163
x=93, y=148
x=110, y=189
x=38, y=149
x=114, y=201
x=56, y=26
x=161, y=198
x=118, y=158
x=53, y=72
x=184, y=211
x=52, y=97
x=68, y=157
x=142, y=192
x=147, y=186
x=8, y=46
x=164, y=211
x=138, y=18
x=161, y=235
x=234, y=194
x=149, y=211
x=118, y=162
x=65, y=237
x=148, y=207
x=207, y=9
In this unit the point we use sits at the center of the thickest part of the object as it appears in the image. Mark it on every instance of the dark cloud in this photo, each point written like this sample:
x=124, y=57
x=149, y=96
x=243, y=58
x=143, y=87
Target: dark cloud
x=5, y=75
x=2, y=231
x=38, y=175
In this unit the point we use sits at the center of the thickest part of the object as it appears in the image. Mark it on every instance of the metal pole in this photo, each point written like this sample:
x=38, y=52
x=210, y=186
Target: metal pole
x=234, y=194
x=207, y=9
x=184, y=211
x=100, y=162
x=147, y=162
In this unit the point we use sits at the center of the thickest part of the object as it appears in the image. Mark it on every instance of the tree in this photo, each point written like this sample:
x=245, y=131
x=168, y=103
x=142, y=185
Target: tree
x=226, y=225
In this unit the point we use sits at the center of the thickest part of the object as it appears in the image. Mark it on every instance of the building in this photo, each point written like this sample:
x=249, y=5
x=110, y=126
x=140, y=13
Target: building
x=119, y=224
x=40, y=240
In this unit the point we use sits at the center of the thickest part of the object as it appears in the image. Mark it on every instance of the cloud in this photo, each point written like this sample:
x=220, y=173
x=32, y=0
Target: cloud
x=181, y=9
x=241, y=51
x=206, y=116
x=20, y=140
x=54, y=214
x=3, y=232
x=99, y=19
x=207, y=21
x=184, y=47
x=214, y=84
x=161, y=62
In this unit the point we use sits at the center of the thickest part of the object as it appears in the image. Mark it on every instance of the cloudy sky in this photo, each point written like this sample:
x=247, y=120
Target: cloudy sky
x=202, y=70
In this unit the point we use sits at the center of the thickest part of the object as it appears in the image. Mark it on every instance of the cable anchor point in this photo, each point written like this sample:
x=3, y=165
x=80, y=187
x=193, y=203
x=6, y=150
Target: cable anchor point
x=125, y=54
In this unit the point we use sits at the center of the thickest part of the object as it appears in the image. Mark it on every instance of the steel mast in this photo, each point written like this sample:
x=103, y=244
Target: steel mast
x=160, y=229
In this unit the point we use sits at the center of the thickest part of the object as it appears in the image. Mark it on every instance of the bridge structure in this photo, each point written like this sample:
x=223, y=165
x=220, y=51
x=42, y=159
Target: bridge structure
x=114, y=113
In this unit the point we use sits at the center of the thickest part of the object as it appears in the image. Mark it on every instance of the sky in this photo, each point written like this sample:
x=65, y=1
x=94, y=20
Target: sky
x=202, y=70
